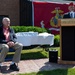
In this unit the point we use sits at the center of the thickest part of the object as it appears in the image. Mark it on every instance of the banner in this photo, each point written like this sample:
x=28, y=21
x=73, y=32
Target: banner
x=46, y=15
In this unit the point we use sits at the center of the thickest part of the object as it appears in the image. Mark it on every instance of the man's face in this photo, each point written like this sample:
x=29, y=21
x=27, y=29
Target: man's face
x=71, y=8
x=6, y=22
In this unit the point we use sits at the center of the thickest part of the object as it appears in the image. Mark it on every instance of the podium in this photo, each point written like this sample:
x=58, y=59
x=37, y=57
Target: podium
x=67, y=41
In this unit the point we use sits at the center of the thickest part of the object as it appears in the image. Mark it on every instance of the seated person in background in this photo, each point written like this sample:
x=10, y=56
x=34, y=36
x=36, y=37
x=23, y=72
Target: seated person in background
x=71, y=13
x=7, y=40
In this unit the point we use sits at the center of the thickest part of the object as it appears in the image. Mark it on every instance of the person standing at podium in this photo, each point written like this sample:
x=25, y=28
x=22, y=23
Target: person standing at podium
x=71, y=13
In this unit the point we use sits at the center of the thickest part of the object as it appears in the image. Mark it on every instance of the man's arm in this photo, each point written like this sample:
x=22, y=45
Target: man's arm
x=3, y=41
x=66, y=15
x=13, y=35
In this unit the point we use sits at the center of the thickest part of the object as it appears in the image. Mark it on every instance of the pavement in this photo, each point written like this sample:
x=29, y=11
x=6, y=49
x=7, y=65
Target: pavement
x=36, y=65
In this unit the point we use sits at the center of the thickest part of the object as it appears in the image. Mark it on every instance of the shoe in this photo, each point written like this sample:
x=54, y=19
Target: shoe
x=14, y=67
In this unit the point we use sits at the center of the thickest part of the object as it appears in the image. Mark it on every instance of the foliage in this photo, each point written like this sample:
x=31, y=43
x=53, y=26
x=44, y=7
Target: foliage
x=69, y=71
x=35, y=53
x=57, y=40
x=28, y=28
x=36, y=29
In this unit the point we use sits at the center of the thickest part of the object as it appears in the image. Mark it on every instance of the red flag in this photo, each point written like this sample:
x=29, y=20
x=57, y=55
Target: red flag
x=46, y=14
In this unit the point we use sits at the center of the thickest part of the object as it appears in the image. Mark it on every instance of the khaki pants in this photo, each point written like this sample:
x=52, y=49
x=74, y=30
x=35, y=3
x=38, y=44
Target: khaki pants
x=5, y=48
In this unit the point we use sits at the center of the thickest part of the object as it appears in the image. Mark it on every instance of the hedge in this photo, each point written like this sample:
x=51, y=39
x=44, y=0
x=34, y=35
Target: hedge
x=28, y=28
x=57, y=40
x=36, y=29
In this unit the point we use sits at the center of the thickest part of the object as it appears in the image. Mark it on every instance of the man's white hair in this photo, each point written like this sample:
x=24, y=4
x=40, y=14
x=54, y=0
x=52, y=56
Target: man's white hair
x=5, y=18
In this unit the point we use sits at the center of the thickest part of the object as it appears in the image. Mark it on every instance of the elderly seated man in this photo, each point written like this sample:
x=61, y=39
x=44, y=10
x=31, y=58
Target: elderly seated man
x=8, y=40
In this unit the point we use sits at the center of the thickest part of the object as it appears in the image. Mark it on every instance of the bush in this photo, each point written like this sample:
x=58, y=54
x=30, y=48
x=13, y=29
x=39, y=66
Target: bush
x=36, y=29
x=57, y=40
x=28, y=28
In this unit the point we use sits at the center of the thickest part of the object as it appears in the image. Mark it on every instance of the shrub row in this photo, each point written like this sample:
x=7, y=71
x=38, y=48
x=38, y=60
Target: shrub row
x=28, y=28
x=57, y=40
x=36, y=29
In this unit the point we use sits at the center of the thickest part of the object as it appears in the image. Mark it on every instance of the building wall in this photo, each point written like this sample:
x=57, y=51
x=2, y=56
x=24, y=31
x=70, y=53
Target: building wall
x=12, y=9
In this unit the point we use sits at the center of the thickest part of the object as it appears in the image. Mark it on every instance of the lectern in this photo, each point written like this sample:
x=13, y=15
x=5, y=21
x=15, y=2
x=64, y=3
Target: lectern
x=67, y=41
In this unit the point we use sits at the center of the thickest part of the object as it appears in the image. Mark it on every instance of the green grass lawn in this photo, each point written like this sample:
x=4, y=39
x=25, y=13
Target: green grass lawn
x=70, y=71
x=36, y=53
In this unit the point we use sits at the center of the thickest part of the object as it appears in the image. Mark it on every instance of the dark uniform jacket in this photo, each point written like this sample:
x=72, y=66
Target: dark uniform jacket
x=67, y=15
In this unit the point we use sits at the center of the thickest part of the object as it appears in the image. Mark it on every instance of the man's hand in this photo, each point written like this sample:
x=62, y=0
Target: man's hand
x=10, y=44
